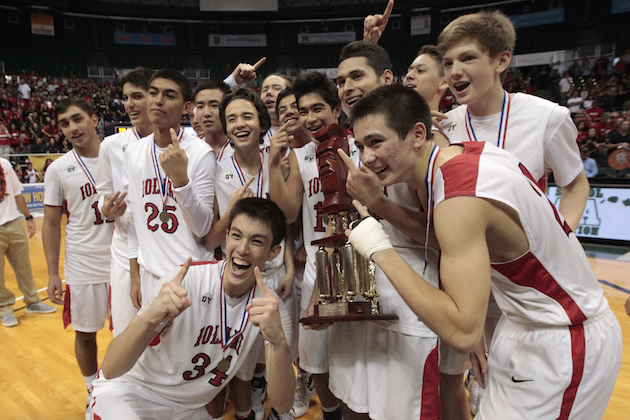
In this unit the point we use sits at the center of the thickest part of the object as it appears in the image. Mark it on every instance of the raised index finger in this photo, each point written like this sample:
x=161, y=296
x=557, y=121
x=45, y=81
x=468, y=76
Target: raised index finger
x=174, y=138
x=388, y=11
x=249, y=182
x=346, y=159
x=177, y=280
x=259, y=63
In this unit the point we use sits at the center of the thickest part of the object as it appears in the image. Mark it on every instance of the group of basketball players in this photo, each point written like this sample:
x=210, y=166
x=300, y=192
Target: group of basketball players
x=211, y=264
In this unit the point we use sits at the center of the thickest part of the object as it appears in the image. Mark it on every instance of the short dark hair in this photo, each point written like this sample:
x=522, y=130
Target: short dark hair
x=251, y=96
x=178, y=78
x=316, y=82
x=66, y=103
x=402, y=108
x=139, y=76
x=212, y=84
x=433, y=51
x=283, y=94
x=376, y=56
x=265, y=211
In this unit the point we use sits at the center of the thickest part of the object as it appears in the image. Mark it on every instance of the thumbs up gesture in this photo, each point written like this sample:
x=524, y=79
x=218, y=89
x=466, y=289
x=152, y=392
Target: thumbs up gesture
x=175, y=162
x=172, y=300
x=264, y=312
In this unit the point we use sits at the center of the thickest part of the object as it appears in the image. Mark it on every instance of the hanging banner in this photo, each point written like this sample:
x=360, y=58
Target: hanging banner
x=327, y=38
x=42, y=25
x=143, y=38
x=237, y=40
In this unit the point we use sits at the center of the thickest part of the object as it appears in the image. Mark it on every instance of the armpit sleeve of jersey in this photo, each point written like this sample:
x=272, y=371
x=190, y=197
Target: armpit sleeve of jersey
x=197, y=197
x=285, y=319
x=104, y=184
x=561, y=152
x=230, y=81
x=53, y=191
x=132, y=240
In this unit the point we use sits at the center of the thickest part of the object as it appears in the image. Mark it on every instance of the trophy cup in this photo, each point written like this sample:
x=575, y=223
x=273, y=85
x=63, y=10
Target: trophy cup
x=347, y=288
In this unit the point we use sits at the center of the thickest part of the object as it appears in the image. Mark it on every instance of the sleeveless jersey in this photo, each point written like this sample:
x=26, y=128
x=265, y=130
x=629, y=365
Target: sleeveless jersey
x=70, y=182
x=162, y=245
x=552, y=283
x=230, y=176
x=180, y=364
x=540, y=133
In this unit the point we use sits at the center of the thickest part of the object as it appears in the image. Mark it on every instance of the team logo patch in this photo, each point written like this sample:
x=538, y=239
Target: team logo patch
x=124, y=148
x=206, y=299
x=451, y=128
x=229, y=177
x=309, y=158
x=71, y=168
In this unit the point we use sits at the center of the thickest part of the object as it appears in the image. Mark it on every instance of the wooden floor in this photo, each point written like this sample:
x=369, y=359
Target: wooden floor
x=39, y=377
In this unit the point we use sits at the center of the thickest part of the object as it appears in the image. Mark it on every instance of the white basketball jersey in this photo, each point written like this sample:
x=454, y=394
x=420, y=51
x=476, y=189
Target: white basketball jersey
x=230, y=176
x=552, y=283
x=109, y=180
x=540, y=133
x=180, y=364
x=70, y=182
x=163, y=244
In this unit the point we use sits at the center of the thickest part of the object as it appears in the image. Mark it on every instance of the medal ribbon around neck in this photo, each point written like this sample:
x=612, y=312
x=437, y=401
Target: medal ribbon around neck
x=135, y=131
x=85, y=169
x=226, y=340
x=156, y=166
x=225, y=146
x=505, y=112
x=241, y=175
x=429, y=184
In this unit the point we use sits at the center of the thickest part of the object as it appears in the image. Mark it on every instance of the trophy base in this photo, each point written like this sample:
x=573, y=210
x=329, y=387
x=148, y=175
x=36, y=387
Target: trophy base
x=344, y=312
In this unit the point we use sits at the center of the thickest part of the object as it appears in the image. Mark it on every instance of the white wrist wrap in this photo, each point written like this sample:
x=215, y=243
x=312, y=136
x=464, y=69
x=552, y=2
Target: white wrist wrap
x=368, y=237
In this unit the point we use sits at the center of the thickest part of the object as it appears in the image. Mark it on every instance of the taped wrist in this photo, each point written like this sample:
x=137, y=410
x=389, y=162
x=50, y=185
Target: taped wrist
x=368, y=237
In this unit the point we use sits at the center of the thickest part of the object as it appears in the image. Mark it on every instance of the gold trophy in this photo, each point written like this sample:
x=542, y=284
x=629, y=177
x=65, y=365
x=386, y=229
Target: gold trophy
x=347, y=288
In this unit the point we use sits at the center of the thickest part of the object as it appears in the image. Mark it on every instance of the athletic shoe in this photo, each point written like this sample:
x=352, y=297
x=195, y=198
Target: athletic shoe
x=273, y=415
x=305, y=391
x=474, y=393
x=259, y=393
x=251, y=416
x=40, y=308
x=9, y=320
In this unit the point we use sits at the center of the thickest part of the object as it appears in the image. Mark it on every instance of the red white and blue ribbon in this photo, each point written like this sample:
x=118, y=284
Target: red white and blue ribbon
x=505, y=112
x=429, y=185
x=241, y=175
x=162, y=182
x=85, y=169
x=226, y=339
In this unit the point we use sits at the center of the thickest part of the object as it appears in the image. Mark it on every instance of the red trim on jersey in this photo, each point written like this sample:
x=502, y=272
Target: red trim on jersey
x=200, y=263
x=67, y=316
x=578, y=350
x=431, y=404
x=461, y=177
x=527, y=271
x=156, y=340
x=109, y=298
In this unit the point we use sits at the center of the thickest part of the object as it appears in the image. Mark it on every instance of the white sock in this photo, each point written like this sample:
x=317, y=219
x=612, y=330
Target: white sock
x=217, y=418
x=89, y=379
x=329, y=409
x=243, y=414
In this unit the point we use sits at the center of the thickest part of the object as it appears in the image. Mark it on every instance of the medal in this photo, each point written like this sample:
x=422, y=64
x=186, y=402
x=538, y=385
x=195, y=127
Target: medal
x=223, y=365
x=164, y=216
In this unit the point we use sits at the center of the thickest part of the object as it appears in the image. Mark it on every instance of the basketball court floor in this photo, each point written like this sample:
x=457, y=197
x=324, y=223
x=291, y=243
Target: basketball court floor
x=39, y=377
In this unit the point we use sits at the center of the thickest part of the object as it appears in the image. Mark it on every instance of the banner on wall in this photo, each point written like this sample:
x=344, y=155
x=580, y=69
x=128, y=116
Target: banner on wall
x=259, y=40
x=606, y=213
x=143, y=38
x=42, y=25
x=34, y=196
x=327, y=38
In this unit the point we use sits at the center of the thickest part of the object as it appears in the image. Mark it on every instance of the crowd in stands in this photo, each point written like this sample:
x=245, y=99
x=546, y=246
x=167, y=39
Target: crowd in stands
x=597, y=92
